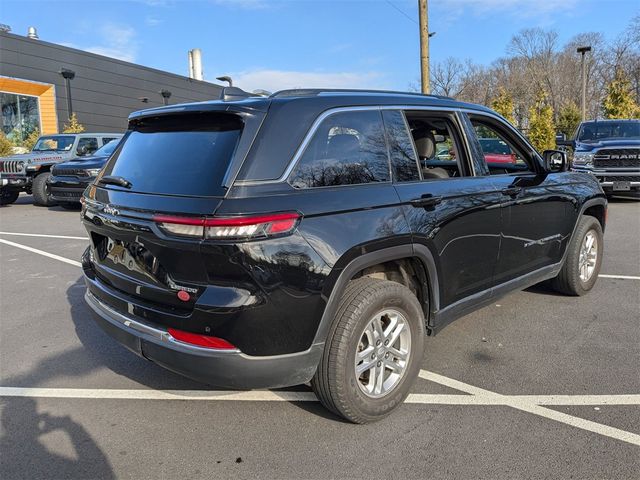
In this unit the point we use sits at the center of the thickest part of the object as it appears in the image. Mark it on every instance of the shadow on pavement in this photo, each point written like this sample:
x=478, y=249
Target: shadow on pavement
x=24, y=456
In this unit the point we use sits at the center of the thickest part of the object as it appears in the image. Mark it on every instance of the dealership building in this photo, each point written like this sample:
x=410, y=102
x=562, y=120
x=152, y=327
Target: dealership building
x=42, y=82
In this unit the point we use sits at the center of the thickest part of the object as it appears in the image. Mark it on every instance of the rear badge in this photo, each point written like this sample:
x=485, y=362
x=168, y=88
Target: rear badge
x=184, y=296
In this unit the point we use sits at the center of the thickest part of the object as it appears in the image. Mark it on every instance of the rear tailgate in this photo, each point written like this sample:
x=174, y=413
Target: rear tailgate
x=174, y=165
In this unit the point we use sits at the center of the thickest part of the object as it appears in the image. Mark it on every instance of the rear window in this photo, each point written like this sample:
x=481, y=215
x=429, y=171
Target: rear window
x=177, y=155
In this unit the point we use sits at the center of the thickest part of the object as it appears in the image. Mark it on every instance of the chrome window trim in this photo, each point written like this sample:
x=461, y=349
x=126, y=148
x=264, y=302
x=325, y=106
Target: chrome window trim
x=332, y=111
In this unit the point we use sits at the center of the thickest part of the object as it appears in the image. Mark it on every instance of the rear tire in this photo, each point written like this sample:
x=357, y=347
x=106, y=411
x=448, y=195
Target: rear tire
x=373, y=351
x=40, y=190
x=584, y=258
x=8, y=196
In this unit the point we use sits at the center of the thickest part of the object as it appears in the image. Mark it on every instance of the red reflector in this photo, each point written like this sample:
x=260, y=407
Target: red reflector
x=201, y=340
x=184, y=296
x=280, y=226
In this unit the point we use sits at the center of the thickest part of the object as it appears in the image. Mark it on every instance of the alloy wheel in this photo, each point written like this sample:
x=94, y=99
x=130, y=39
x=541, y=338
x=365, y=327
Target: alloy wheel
x=383, y=353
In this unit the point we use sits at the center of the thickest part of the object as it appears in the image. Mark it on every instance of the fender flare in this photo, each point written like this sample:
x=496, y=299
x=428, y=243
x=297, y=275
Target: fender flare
x=419, y=252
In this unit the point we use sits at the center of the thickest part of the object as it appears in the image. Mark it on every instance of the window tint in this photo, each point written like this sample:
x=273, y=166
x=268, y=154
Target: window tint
x=347, y=148
x=436, y=146
x=87, y=145
x=184, y=154
x=499, y=151
x=403, y=159
x=106, y=140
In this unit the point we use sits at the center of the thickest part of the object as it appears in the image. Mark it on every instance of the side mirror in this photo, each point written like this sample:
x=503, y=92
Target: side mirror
x=554, y=161
x=83, y=150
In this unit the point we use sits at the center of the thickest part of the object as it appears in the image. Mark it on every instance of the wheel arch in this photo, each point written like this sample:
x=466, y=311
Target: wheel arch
x=370, y=263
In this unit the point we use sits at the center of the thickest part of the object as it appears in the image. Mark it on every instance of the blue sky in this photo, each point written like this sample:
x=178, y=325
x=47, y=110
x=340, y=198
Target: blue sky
x=274, y=44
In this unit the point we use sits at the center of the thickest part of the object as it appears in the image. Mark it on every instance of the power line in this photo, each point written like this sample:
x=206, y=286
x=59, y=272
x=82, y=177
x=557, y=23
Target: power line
x=402, y=12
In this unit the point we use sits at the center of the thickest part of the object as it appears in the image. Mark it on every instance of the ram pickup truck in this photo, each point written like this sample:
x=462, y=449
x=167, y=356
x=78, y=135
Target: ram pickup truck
x=610, y=150
x=30, y=172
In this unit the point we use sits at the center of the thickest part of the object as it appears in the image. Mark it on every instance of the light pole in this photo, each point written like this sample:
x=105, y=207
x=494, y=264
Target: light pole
x=68, y=75
x=166, y=95
x=583, y=51
x=227, y=79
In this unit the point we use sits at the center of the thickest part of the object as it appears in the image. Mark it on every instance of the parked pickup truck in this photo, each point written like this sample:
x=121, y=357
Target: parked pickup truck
x=610, y=150
x=30, y=172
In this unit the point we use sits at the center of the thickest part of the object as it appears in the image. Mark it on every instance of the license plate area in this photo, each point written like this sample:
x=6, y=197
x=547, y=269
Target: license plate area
x=128, y=257
x=621, y=186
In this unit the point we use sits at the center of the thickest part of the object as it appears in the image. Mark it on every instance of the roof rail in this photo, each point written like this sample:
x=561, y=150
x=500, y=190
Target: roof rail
x=307, y=92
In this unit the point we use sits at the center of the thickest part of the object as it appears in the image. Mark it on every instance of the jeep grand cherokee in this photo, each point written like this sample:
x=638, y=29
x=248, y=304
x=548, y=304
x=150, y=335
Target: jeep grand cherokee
x=309, y=236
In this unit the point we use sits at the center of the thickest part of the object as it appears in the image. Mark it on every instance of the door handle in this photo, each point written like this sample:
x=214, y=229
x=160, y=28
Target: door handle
x=425, y=202
x=511, y=191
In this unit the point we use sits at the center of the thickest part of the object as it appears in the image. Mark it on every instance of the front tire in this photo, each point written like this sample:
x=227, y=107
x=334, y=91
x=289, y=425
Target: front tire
x=40, y=190
x=8, y=196
x=373, y=351
x=584, y=258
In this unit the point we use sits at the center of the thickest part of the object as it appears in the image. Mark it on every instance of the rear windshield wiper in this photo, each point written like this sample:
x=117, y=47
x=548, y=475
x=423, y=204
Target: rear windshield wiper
x=115, y=180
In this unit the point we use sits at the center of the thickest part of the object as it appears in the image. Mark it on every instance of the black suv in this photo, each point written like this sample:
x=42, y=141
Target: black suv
x=316, y=236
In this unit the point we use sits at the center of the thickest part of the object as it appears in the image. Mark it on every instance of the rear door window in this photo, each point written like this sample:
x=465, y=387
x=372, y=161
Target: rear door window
x=186, y=154
x=347, y=148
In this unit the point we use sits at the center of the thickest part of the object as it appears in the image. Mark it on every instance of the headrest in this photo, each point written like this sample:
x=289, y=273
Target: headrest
x=425, y=143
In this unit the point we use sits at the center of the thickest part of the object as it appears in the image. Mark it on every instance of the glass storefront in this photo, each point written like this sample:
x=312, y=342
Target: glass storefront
x=20, y=115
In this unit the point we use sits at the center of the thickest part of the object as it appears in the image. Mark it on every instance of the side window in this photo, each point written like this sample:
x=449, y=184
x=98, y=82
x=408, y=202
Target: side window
x=106, y=140
x=500, y=153
x=404, y=163
x=436, y=146
x=87, y=145
x=347, y=148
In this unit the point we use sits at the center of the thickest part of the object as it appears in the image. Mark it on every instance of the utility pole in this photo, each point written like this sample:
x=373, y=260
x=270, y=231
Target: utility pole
x=583, y=51
x=423, y=13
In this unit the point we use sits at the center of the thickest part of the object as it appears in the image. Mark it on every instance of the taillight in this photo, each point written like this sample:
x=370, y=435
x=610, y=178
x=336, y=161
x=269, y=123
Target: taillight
x=204, y=341
x=229, y=228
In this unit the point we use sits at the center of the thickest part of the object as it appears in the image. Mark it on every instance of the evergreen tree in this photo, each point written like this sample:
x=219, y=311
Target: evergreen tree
x=619, y=101
x=73, y=126
x=542, y=132
x=569, y=119
x=6, y=146
x=503, y=104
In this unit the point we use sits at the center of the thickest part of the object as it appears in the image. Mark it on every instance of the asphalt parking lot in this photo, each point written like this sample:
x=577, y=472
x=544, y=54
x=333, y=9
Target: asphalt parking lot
x=535, y=386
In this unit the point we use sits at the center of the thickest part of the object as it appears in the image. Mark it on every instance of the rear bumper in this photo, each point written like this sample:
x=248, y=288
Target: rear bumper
x=222, y=368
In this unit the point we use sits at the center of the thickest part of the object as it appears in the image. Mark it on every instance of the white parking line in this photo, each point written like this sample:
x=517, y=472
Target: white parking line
x=289, y=396
x=43, y=235
x=41, y=252
x=622, y=277
x=528, y=406
x=478, y=396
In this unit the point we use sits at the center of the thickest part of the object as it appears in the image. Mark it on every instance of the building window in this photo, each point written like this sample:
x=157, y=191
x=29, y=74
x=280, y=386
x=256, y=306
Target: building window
x=20, y=115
